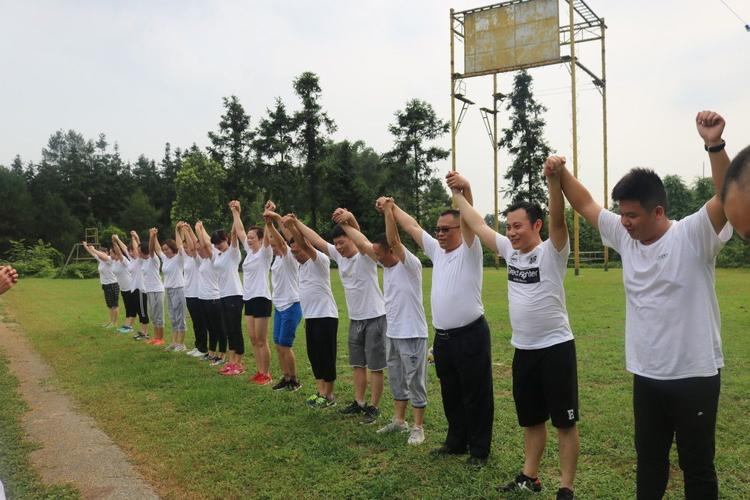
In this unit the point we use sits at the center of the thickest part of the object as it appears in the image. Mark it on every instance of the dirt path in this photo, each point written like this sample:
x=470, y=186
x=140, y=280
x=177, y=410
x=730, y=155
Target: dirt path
x=73, y=450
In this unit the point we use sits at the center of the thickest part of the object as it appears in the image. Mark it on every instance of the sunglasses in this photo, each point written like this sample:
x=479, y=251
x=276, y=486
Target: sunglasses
x=443, y=229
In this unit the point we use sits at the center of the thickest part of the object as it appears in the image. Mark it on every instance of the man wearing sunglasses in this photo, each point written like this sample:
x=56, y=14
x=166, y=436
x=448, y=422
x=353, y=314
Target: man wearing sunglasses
x=462, y=336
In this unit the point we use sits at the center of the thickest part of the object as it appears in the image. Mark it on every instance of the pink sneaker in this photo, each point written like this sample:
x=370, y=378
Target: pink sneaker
x=234, y=371
x=227, y=367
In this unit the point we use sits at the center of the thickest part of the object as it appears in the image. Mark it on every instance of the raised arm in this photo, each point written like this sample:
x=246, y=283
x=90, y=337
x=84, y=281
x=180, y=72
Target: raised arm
x=460, y=185
x=710, y=127
x=153, y=242
x=237, y=225
x=276, y=239
x=558, y=229
x=290, y=223
x=178, y=237
x=191, y=241
x=94, y=252
x=135, y=242
x=360, y=240
x=313, y=237
x=578, y=196
x=344, y=216
x=474, y=221
x=391, y=231
x=204, y=242
x=406, y=221
x=120, y=246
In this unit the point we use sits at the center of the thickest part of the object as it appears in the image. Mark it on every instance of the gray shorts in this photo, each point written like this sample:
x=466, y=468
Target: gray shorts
x=367, y=343
x=156, y=307
x=177, y=306
x=407, y=375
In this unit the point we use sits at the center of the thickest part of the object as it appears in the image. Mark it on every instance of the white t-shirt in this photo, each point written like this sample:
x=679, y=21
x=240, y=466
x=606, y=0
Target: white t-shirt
x=456, y=295
x=191, y=274
x=255, y=272
x=134, y=266
x=172, y=269
x=359, y=276
x=120, y=269
x=151, y=277
x=536, y=297
x=106, y=276
x=208, y=283
x=672, y=323
x=315, y=293
x=402, y=289
x=227, y=265
x=285, y=280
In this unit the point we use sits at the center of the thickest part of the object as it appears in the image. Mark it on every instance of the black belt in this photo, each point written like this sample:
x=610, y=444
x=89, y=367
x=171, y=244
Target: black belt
x=457, y=332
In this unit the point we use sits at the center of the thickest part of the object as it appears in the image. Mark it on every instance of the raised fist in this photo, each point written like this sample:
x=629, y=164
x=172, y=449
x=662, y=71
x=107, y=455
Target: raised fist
x=553, y=166
x=710, y=126
x=456, y=181
x=270, y=205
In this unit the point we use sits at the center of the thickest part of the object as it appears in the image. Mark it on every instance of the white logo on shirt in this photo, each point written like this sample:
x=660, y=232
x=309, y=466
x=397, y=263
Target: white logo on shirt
x=571, y=414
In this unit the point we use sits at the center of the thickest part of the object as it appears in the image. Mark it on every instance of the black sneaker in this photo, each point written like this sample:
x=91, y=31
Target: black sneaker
x=565, y=494
x=281, y=384
x=523, y=482
x=293, y=385
x=371, y=414
x=352, y=409
x=444, y=451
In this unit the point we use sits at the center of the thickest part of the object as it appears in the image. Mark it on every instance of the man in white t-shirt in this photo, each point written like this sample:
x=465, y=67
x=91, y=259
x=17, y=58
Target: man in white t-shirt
x=407, y=327
x=672, y=323
x=462, y=351
x=545, y=379
x=367, y=323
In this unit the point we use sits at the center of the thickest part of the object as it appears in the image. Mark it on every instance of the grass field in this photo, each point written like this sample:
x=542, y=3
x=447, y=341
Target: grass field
x=195, y=434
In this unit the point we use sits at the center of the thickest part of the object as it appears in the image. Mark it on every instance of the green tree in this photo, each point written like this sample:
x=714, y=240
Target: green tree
x=679, y=197
x=139, y=213
x=312, y=126
x=199, y=191
x=231, y=147
x=411, y=160
x=702, y=191
x=16, y=210
x=524, y=140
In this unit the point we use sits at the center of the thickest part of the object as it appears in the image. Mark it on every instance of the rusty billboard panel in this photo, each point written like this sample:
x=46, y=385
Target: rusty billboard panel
x=508, y=36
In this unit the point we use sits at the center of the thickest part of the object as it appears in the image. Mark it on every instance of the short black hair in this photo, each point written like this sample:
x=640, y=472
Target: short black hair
x=642, y=185
x=337, y=232
x=533, y=211
x=218, y=236
x=258, y=231
x=738, y=171
x=451, y=211
x=144, y=248
x=382, y=240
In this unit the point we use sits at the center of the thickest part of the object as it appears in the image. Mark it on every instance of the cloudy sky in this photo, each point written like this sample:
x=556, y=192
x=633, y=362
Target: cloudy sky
x=145, y=73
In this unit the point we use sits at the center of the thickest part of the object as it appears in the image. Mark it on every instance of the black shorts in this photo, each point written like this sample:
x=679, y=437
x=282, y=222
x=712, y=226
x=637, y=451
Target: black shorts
x=259, y=307
x=111, y=295
x=320, y=335
x=545, y=384
x=130, y=299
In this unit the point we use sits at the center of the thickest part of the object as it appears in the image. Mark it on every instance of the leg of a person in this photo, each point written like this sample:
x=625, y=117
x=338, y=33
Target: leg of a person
x=261, y=339
x=474, y=361
x=290, y=320
x=531, y=409
x=195, y=308
x=414, y=363
x=327, y=353
x=143, y=311
x=209, y=314
x=696, y=403
x=654, y=433
x=156, y=306
x=358, y=359
x=234, y=324
x=444, y=350
x=375, y=351
x=221, y=326
x=397, y=379
x=182, y=312
x=312, y=332
x=569, y=444
x=228, y=328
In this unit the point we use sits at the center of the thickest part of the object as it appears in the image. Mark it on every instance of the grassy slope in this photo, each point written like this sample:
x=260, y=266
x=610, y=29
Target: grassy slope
x=196, y=434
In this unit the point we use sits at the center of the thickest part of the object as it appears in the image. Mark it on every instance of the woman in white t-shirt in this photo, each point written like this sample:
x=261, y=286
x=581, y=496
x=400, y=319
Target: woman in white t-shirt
x=125, y=281
x=210, y=296
x=172, y=256
x=108, y=280
x=133, y=265
x=191, y=261
x=256, y=293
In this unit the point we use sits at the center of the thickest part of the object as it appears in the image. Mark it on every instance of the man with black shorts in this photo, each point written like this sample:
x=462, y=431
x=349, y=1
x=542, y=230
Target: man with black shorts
x=672, y=321
x=367, y=323
x=461, y=348
x=545, y=380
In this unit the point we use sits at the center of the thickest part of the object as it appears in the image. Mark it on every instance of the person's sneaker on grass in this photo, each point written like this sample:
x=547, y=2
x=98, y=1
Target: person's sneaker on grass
x=234, y=371
x=312, y=400
x=416, y=436
x=293, y=385
x=565, y=494
x=217, y=361
x=323, y=402
x=227, y=367
x=445, y=451
x=157, y=342
x=140, y=336
x=522, y=482
x=370, y=415
x=281, y=384
x=352, y=408
x=393, y=426
x=265, y=379
x=170, y=347
x=179, y=348
x=197, y=354
x=125, y=329
x=207, y=357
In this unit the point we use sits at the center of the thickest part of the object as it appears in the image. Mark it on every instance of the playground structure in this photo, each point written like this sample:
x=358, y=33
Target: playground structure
x=77, y=254
x=523, y=34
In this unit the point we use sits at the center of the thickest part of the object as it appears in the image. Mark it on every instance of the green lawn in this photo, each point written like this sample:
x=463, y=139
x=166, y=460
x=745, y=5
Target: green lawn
x=193, y=433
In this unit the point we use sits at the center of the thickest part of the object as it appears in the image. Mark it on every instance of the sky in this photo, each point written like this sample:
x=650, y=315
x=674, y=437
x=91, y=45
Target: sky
x=146, y=73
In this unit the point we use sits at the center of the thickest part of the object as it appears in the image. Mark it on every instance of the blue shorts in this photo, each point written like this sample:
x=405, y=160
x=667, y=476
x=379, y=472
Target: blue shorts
x=285, y=324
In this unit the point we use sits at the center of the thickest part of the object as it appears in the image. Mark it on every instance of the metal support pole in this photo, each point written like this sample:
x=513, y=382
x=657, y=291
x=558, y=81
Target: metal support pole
x=453, y=100
x=604, y=137
x=576, y=222
x=495, y=148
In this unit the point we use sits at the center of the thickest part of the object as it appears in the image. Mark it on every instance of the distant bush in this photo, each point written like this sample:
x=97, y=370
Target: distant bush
x=80, y=270
x=39, y=259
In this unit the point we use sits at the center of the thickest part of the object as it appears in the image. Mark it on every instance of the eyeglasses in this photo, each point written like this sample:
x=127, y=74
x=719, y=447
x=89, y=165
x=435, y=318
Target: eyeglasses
x=443, y=229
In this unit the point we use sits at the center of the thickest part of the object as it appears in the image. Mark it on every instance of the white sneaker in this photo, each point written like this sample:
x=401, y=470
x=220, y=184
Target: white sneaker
x=192, y=352
x=393, y=426
x=199, y=355
x=416, y=436
x=179, y=348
